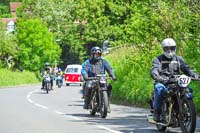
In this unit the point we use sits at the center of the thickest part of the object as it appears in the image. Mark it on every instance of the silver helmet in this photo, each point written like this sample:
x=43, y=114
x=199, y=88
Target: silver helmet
x=169, y=47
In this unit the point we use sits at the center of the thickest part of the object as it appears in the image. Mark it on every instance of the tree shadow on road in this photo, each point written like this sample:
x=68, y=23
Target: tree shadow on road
x=129, y=121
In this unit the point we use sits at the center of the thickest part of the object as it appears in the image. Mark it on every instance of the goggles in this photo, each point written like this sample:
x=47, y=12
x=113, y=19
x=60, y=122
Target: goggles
x=171, y=48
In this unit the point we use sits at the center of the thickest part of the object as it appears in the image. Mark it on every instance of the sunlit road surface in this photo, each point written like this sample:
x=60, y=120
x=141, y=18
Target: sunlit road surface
x=28, y=109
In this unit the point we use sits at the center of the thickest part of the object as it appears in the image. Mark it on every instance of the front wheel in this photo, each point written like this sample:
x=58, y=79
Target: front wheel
x=47, y=86
x=59, y=84
x=93, y=104
x=103, y=104
x=188, y=116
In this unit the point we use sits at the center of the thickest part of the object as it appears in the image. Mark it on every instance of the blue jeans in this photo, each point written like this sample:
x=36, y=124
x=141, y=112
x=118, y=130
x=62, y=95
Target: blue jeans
x=159, y=91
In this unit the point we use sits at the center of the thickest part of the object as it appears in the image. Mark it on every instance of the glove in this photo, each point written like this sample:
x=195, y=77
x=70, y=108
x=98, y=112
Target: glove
x=162, y=79
x=113, y=78
x=196, y=76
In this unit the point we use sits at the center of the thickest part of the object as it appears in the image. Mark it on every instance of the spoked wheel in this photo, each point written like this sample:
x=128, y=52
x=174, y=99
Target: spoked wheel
x=93, y=104
x=188, y=116
x=103, y=104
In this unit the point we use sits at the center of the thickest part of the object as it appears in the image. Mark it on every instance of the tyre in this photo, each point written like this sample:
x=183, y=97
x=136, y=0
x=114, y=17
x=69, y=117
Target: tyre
x=188, y=116
x=93, y=105
x=59, y=84
x=103, y=104
x=47, y=87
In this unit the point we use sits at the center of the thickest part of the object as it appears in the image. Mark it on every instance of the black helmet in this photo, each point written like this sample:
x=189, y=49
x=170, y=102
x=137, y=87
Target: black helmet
x=96, y=50
x=47, y=64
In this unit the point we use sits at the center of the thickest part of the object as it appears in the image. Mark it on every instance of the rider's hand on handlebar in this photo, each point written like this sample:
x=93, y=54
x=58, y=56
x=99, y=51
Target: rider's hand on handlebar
x=162, y=79
x=196, y=76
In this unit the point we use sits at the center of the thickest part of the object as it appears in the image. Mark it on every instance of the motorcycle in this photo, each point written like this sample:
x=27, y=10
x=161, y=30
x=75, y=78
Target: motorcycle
x=178, y=109
x=99, y=101
x=47, y=82
x=59, y=81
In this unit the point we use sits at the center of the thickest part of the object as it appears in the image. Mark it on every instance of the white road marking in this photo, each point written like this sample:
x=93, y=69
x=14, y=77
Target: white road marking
x=108, y=129
x=61, y=113
x=41, y=106
x=32, y=102
x=73, y=117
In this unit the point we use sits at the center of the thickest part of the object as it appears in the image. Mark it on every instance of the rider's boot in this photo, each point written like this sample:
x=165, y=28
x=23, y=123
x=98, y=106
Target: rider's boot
x=156, y=116
x=109, y=101
x=42, y=84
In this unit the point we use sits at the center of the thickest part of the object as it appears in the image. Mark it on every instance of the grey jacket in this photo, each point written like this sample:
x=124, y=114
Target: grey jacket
x=174, y=66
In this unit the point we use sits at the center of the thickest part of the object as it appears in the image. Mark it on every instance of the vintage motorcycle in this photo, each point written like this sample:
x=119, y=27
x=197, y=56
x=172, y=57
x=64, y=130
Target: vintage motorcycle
x=47, y=82
x=178, y=109
x=99, y=101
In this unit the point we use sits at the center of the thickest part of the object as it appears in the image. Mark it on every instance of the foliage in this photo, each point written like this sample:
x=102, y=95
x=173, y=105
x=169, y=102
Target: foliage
x=37, y=44
x=132, y=68
x=4, y=11
x=8, y=48
x=57, y=15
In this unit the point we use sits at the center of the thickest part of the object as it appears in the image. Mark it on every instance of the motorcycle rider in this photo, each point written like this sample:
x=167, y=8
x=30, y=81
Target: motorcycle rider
x=59, y=72
x=46, y=70
x=93, y=66
x=170, y=63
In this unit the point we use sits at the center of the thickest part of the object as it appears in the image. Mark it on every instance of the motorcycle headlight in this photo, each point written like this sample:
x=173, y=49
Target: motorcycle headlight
x=103, y=80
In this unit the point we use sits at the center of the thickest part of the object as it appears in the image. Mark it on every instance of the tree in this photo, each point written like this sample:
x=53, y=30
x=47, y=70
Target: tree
x=8, y=48
x=37, y=44
x=57, y=15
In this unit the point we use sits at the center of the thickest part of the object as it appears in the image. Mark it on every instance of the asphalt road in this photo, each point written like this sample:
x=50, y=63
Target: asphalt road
x=27, y=109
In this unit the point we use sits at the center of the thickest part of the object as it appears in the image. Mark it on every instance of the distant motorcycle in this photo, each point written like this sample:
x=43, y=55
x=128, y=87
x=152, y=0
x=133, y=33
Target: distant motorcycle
x=59, y=81
x=178, y=109
x=47, y=82
x=99, y=97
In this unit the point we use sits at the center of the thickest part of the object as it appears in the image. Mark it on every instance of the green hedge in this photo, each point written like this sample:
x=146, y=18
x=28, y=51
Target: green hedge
x=12, y=78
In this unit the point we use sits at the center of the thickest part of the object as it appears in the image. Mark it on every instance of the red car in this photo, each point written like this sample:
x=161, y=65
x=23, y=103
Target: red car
x=73, y=74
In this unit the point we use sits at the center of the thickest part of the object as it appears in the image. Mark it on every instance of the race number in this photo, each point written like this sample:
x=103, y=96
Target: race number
x=184, y=81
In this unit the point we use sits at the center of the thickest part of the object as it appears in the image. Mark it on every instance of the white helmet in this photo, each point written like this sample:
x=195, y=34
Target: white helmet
x=169, y=47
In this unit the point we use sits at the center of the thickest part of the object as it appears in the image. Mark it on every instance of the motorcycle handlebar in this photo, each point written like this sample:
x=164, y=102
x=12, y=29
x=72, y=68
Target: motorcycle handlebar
x=97, y=77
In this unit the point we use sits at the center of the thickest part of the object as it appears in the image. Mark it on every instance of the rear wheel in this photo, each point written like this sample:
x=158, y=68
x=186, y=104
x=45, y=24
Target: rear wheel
x=188, y=116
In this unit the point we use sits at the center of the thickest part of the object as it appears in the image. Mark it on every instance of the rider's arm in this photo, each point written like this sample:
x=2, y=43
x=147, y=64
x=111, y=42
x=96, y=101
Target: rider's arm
x=84, y=70
x=109, y=69
x=156, y=68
